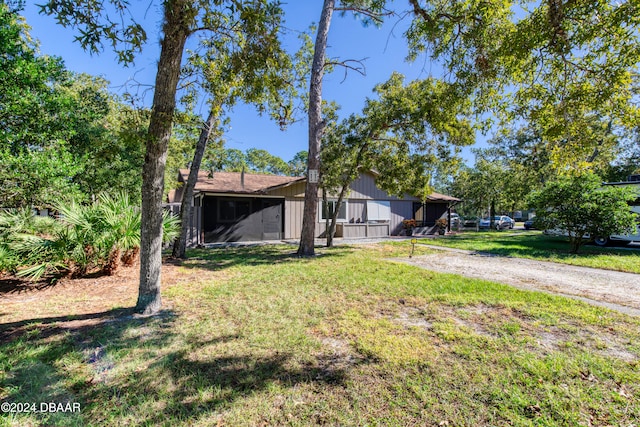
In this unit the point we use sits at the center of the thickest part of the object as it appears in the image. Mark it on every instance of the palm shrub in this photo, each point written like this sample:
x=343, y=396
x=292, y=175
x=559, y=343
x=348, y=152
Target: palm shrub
x=18, y=229
x=120, y=231
x=100, y=236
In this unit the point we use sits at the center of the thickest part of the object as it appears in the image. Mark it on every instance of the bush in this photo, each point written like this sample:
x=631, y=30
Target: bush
x=100, y=236
x=580, y=206
x=18, y=228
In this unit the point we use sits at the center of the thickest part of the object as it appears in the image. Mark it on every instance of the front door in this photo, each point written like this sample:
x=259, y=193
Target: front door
x=271, y=219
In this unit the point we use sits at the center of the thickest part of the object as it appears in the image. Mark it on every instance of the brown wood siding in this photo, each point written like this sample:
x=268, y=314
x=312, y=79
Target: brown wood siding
x=292, y=191
x=400, y=210
x=293, y=208
x=365, y=188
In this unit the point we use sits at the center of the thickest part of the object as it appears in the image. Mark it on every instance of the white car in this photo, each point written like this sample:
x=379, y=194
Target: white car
x=455, y=220
x=500, y=222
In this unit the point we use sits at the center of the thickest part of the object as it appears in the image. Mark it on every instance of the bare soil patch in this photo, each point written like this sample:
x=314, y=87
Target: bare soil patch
x=79, y=302
x=485, y=321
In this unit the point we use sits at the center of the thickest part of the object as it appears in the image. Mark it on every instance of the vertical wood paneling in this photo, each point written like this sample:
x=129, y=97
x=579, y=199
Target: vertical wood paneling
x=293, y=218
x=356, y=210
x=400, y=209
x=365, y=188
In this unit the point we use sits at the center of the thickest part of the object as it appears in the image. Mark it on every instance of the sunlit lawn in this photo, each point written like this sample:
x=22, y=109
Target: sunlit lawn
x=535, y=245
x=347, y=338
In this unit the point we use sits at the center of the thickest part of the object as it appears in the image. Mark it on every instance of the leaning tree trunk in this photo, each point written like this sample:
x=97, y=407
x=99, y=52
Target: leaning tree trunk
x=178, y=15
x=331, y=231
x=180, y=243
x=325, y=211
x=316, y=128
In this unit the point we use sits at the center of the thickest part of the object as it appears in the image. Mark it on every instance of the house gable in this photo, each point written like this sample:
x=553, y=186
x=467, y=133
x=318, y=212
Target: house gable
x=364, y=187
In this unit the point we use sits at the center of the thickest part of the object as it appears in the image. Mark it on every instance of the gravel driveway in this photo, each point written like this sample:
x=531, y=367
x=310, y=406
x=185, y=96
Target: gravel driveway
x=612, y=289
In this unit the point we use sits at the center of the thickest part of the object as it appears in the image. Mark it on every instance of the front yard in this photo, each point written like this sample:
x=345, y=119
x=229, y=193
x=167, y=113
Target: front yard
x=257, y=336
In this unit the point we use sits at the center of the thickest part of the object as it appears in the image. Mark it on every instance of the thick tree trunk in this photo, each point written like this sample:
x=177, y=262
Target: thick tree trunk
x=316, y=128
x=178, y=15
x=180, y=244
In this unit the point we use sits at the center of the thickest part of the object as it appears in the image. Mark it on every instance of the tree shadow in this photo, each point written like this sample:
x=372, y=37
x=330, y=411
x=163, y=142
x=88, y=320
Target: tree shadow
x=37, y=352
x=131, y=364
x=16, y=285
x=47, y=327
x=216, y=259
x=232, y=377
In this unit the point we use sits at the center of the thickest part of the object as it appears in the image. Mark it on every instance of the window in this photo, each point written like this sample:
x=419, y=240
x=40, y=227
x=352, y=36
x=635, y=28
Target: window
x=233, y=210
x=329, y=207
x=378, y=210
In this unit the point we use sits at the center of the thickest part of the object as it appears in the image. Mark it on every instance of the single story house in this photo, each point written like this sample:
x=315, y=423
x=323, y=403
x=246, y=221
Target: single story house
x=234, y=206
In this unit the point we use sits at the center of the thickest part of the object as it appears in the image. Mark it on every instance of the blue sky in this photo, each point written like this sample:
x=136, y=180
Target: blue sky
x=383, y=50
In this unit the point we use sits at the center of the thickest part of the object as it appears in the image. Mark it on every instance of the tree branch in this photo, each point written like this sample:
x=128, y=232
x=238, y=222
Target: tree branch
x=359, y=68
x=374, y=16
x=431, y=20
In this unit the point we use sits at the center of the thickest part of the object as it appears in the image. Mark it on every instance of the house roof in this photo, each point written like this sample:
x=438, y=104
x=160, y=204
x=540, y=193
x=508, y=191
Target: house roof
x=437, y=197
x=233, y=182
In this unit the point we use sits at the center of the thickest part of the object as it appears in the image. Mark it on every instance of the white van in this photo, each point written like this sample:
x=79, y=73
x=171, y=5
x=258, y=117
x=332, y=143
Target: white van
x=621, y=238
x=634, y=182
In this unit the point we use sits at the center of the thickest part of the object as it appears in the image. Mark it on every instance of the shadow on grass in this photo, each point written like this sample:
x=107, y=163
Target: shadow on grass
x=138, y=370
x=39, y=356
x=51, y=326
x=16, y=285
x=215, y=259
x=204, y=388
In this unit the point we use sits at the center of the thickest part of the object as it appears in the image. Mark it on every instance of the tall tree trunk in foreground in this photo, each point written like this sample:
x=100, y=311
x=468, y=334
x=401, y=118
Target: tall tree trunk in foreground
x=316, y=128
x=180, y=244
x=178, y=15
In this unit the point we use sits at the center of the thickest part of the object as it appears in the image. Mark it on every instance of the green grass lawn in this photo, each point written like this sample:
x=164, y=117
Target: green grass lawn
x=261, y=337
x=535, y=245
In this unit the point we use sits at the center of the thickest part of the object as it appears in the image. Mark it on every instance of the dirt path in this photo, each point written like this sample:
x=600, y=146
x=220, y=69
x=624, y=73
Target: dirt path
x=612, y=289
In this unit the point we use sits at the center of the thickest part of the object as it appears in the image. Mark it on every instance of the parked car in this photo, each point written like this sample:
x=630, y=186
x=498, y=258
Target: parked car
x=531, y=224
x=470, y=223
x=500, y=222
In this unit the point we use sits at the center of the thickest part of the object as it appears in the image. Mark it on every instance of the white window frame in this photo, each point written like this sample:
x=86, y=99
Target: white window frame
x=378, y=214
x=345, y=203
